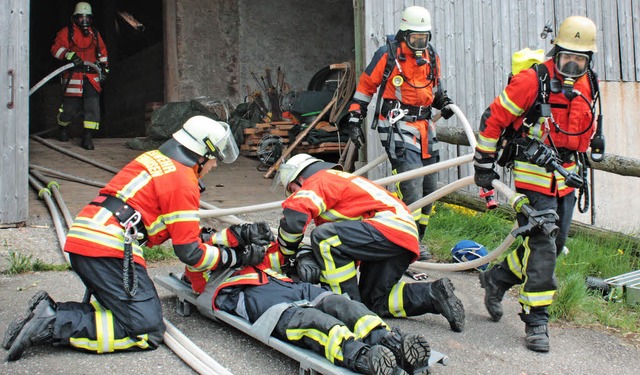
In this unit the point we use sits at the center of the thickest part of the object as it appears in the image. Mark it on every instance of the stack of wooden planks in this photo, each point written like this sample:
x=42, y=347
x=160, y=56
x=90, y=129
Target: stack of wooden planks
x=252, y=137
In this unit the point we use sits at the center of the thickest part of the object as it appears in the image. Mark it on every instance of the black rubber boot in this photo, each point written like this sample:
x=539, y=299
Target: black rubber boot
x=447, y=303
x=425, y=255
x=16, y=324
x=493, y=295
x=38, y=329
x=537, y=338
x=63, y=133
x=87, y=141
x=412, y=351
x=366, y=359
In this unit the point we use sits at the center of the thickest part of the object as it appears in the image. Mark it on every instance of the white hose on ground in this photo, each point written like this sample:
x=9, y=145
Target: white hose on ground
x=175, y=334
x=493, y=255
x=44, y=193
x=74, y=155
x=55, y=189
x=66, y=176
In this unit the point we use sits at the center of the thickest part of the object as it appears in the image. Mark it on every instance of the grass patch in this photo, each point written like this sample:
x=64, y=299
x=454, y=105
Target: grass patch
x=600, y=257
x=20, y=263
x=158, y=253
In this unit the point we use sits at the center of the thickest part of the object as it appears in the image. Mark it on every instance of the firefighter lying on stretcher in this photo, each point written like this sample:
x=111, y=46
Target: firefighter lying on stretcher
x=346, y=332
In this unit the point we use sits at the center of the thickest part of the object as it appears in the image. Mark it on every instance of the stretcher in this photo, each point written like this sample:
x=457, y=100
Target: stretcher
x=310, y=362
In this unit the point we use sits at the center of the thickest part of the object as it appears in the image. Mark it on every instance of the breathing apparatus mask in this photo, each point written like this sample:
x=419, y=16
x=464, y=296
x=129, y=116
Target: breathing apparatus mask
x=571, y=65
x=417, y=41
x=83, y=21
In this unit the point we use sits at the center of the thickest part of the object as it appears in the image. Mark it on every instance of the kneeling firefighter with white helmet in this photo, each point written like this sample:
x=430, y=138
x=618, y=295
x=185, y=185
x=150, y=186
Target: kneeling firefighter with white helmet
x=358, y=225
x=547, y=111
x=152, y=199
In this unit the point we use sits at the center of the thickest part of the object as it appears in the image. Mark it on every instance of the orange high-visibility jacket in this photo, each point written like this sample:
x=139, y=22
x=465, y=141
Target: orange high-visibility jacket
x=167, y=196
x=86, y=47
x=510, y=107
x=332, y=196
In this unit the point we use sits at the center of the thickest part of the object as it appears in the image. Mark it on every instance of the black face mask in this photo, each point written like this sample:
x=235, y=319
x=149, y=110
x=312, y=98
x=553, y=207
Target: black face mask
x=571, y=69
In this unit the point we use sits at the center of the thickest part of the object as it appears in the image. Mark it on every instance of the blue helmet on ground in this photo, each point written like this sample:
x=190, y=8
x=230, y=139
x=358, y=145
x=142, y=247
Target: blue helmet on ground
x=467, y=250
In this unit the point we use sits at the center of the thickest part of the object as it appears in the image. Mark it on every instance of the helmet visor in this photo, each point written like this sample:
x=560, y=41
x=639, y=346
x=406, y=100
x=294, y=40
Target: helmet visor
x=418, y=41
x=572, y=64
x=225, y=150
x=285, y=175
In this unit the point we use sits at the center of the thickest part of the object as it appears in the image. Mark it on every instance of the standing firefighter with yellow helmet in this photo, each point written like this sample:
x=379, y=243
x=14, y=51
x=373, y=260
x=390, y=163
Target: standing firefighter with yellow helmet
x=546, y=118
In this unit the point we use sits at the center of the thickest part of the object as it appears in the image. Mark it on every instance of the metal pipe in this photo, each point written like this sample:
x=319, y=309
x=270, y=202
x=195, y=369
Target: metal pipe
x=55, y=189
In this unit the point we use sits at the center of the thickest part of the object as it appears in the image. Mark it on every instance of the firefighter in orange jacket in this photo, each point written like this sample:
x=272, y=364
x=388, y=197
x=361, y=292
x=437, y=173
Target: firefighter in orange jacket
x=343, y=330
x=77, y=43
x=152, y=199
x=412, y=67
x=545, y=158
x=357, y=221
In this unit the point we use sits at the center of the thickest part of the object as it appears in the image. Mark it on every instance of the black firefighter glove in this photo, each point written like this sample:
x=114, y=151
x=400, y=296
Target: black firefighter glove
x=252, y=233
x=442, y=102
x=483, y=164
x=206, y=233
x=250, y=255
x=74, y=58
x=306, y=265
x=354, y=127
x=104, y=72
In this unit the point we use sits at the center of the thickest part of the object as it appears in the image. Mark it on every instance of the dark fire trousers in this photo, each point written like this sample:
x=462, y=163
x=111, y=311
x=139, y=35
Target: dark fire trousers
x=88, y=105
x=533, y=263
x=116, y=321
x=412, y=190
x=338, y=245
x=322, y=325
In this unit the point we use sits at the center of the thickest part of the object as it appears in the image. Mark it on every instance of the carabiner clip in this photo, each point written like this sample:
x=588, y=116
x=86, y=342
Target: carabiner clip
x=396, y=114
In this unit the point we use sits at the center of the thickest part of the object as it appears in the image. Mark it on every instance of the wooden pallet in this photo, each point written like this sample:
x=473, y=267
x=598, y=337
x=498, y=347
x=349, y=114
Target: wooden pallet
x=253, y=136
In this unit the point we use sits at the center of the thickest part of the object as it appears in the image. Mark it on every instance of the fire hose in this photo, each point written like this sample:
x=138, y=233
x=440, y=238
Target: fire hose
x=60, y=70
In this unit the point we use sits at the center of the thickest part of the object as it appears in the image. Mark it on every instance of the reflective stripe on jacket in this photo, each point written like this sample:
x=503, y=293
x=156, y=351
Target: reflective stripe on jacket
x=85, y=47
x=167, y=196
x=572, y=116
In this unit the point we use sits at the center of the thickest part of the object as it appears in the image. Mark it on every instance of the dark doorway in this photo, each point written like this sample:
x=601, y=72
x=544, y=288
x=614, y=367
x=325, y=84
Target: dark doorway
x=133, y=34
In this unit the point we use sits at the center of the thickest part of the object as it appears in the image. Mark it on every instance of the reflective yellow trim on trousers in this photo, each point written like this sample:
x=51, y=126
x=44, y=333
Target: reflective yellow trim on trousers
x=424, y=219
x=332, y=343
x=396, y=300
x=514, y=264
x=537, y=299
x=91, y=125
x=366, y=324
x=334, y=277
x=331, y=275
x=105, y=342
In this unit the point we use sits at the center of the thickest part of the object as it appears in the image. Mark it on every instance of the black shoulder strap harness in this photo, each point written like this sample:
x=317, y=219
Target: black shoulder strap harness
x=392, y=50
x=95, y=38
